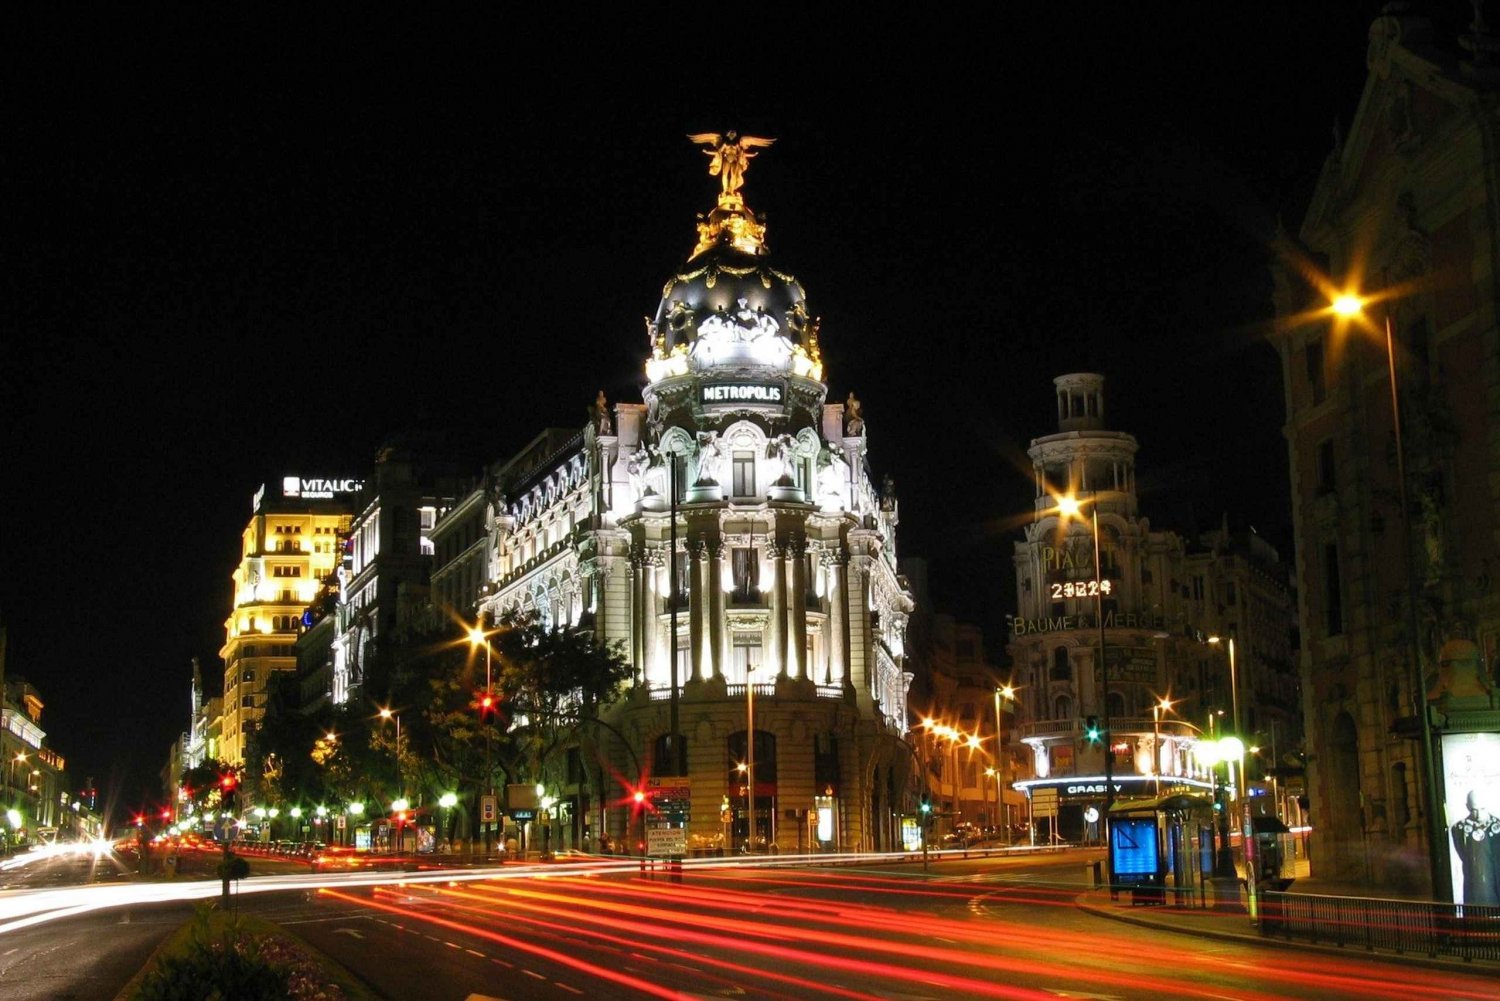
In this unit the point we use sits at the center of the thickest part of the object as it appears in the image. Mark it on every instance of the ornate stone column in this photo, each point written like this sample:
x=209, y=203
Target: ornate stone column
x=697, y=661
x=777, y=552
x=797, y=548
x=638, y=610
x=838, y=617
x=714, y=568
x=649, y=622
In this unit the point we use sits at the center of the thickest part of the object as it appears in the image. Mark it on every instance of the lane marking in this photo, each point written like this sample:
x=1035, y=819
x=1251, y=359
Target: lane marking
x=565, y=987
x=501, y=962
x=529, y=973
x=454, y=945
x=473, y=953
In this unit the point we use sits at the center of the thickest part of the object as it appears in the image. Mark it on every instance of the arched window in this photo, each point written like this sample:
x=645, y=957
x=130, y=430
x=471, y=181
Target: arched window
x=1062, y=707
x=662, y=762
x=1116, y=705
x=1062, y=666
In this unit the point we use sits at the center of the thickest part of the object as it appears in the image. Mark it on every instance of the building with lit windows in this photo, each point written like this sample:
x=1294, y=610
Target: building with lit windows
x=1160, y=608
x=1397, y=599
x=727, y=532
x=294, y=540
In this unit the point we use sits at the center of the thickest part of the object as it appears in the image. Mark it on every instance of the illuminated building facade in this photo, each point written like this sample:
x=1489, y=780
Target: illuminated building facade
x=1159, y=611
x=778, y=570
x=1405, y=212
x=291, y=543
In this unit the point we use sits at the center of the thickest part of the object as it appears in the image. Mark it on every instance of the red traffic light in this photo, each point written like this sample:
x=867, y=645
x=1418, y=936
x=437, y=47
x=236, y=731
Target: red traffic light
x=227, y=782
x=166, y=813
x=140, y=819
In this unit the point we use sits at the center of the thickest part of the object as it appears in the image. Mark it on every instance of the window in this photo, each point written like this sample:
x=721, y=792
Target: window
x=1317, y=376
x=1333, y=591
x=247, y=702
x=746, y=654
x=248, y=676
x=744, y=474
x=746, y=570
x=1326, y=480
x=1062, y=667
x=1229, y=592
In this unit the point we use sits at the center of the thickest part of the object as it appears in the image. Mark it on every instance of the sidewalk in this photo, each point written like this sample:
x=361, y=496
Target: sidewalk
x=1237, y=927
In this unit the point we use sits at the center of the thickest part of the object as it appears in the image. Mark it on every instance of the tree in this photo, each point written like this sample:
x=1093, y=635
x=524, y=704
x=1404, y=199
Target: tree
x=210, y=785
x=557, y=681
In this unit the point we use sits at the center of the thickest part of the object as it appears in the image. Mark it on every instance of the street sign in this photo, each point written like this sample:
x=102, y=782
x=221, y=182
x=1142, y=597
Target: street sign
x=487, y=809
x=666, y=842
x=338, y=821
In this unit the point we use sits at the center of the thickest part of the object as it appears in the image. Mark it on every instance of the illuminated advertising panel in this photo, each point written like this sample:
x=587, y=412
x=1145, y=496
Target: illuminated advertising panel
x=1133, y=852
x=1471, y=784
x=317, y=488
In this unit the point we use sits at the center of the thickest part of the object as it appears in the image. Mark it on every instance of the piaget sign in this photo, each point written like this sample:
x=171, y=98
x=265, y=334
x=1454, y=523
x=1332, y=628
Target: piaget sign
x=713, y=393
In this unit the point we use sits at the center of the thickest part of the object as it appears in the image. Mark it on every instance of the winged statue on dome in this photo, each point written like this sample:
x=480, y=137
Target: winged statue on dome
x=730, y=156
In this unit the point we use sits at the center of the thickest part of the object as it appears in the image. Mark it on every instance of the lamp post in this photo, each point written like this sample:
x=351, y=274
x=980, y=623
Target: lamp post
x=1351, y=306
x=386, y=713
x=1162, y=705
x=1002, y=814
x=750, y=755
x=477, y=635
x=1070, y=506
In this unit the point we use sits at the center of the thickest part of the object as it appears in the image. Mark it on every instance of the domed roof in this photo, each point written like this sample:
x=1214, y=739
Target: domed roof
x=725, y=281
x=727, y=309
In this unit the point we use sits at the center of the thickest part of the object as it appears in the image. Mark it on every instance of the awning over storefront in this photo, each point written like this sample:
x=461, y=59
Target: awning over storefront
x=1177, y=801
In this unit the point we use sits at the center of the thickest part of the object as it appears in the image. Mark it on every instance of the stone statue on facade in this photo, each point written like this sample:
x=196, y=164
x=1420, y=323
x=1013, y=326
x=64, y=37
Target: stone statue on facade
x=710, y=458
x=599, y=416
x=854, y=417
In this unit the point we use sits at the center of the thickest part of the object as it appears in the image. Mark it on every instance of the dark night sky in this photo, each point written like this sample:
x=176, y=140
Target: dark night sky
x=237, y=249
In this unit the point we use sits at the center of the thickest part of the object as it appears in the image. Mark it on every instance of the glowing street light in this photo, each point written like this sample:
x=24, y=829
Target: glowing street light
x=1350, y=307
x=1070, y=506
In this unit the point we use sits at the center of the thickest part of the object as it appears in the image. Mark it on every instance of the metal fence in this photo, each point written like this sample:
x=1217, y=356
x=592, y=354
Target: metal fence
x=1402, y=926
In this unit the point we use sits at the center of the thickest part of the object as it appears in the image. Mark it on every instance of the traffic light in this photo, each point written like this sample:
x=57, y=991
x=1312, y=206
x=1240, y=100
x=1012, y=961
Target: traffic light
x=227, y=783
x=925, y=805
x=1091, y=729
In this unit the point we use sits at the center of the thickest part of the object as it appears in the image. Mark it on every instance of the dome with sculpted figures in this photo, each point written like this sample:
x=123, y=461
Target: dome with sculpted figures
x=727, y=309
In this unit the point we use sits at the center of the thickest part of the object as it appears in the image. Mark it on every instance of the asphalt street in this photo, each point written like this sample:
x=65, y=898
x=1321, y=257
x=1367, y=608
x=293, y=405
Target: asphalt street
x=977, y=928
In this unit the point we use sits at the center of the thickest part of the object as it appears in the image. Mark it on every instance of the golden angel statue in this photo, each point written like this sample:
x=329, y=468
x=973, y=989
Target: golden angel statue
x=731, y=156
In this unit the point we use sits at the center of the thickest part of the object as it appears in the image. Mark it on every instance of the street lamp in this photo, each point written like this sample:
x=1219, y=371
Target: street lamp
x=1163, y=705
x=750, y=670
x=388, y=714
x=1351, y=307
x=1070, y=507
x=1002, y=813
x=478, y=636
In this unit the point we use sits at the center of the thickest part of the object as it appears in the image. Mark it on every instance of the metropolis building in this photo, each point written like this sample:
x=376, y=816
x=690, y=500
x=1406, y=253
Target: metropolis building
x=727, y=533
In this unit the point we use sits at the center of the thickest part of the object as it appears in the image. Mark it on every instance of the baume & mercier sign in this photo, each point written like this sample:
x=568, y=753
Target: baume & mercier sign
x=1064, y=623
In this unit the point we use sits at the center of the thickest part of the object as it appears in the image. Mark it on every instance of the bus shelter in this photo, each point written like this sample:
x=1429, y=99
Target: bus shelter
x=1161, y=844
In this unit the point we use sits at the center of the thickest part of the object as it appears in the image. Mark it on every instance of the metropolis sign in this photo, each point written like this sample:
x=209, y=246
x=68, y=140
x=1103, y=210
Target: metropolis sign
x=714, y=393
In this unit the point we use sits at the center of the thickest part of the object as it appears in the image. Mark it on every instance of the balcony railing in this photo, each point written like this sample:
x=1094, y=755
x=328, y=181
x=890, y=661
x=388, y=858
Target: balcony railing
x=1121, y=725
